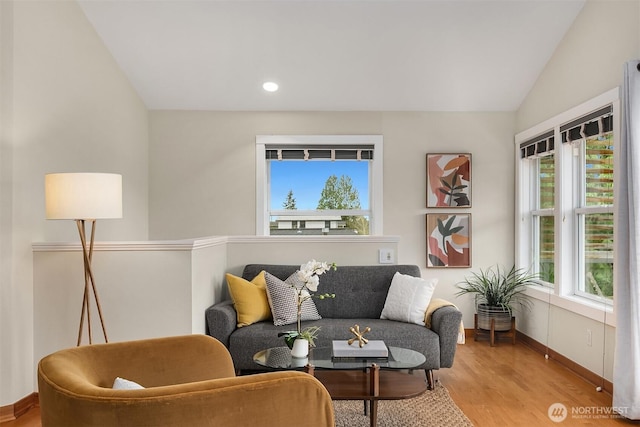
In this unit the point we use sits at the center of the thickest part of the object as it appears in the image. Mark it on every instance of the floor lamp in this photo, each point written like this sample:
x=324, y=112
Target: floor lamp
x=85, y=197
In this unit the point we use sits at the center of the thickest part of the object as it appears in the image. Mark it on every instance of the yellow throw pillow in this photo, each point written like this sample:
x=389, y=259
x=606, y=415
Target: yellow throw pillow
x=249, y=299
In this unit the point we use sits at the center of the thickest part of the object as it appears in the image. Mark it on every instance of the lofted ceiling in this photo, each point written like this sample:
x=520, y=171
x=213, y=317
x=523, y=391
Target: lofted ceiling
x=334, y=55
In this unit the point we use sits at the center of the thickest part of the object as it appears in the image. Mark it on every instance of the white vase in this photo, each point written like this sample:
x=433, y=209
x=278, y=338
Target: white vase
x=300, y=348
x=299, y=362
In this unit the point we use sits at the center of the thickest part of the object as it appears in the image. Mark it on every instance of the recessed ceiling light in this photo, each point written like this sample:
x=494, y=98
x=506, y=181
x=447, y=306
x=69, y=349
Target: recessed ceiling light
x=270, y=86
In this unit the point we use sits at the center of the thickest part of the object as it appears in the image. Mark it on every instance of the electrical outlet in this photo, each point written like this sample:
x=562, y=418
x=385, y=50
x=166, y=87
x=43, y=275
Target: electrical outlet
x=386, y=256
x=589, y=337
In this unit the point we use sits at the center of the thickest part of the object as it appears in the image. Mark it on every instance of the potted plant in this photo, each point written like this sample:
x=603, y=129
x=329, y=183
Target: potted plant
x=308, y=281
x=497, y=291
x=310, y=334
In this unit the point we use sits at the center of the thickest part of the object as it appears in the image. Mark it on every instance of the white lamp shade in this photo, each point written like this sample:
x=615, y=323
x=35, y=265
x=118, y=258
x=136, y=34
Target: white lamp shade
x=83, y=195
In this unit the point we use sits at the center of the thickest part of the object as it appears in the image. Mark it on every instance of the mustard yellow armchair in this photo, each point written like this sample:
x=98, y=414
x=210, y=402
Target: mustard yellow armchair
x=189, y=381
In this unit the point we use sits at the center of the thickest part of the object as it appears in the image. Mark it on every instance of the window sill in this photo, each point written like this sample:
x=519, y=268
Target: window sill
x=600, y=312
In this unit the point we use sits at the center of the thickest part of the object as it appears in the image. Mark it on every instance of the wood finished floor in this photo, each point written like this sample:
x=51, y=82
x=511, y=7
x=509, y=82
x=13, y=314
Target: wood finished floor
x=507, y=385
x=514, y=385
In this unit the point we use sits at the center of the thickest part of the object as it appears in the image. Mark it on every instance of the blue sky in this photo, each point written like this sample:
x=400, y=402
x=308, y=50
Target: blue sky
x=307, y=179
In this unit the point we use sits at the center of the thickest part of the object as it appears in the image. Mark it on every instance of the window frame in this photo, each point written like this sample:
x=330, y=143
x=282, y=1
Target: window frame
x=581, y=211
x=563, y=292
x=537, y=213
x=375, y=211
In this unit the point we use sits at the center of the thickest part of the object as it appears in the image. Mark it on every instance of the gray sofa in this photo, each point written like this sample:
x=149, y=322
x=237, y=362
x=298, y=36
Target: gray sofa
x=361, y=292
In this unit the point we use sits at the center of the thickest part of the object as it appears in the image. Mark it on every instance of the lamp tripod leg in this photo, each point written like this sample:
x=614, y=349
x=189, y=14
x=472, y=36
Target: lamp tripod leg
x=86, y=313
x=93, y=282
x=85, y=304
x=88, y=273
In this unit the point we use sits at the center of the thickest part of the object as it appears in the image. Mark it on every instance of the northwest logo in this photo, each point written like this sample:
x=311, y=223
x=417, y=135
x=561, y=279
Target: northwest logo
x=557, y=412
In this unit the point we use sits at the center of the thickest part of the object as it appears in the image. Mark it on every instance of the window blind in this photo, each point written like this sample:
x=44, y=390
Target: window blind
x=358, y=152
x=537, y=146
x=593, y=124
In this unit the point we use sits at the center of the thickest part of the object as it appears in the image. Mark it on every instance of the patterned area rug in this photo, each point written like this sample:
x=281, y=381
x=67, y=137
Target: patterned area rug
x=432, y=408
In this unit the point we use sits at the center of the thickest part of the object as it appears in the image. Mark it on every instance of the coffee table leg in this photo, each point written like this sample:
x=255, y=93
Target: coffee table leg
x=430, y=380
x=373, y=420
x=374, y=391
x=309, y=369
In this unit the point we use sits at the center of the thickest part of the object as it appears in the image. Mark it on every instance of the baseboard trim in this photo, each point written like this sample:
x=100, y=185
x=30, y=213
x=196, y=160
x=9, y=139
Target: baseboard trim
x=581, y=371
x=11, y=412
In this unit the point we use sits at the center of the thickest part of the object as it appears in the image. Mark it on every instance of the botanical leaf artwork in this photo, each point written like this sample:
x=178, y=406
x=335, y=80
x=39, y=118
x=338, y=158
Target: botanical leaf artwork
x=448, y=240
x=448, y=180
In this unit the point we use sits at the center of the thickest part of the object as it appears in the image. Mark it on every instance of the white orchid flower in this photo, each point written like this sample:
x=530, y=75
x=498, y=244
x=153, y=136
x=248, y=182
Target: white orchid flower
x=310, y=271
x=312, y=283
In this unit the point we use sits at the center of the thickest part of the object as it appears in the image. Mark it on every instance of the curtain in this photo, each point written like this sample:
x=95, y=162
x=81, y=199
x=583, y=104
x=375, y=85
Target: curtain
x=626, y=369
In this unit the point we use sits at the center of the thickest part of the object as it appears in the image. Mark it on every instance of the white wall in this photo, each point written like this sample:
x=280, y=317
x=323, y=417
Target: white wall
x=208, y=285
x=343, y=250
x=588, y=62
x=205, y=161
x=10, y=296
x=70, y=110
x=146, y=289
x=202, y=179
x=565, y=332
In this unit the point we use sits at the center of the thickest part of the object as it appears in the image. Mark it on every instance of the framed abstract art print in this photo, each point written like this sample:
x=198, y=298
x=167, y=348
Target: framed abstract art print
x=448, y=240
x=448, y=180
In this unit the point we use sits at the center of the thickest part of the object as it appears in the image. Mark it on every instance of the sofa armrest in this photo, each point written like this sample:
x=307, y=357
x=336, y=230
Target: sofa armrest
x=221, y=321
x=445, y=322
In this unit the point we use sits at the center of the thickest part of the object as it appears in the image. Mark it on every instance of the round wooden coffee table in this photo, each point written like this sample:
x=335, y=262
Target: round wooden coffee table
x=367, y=379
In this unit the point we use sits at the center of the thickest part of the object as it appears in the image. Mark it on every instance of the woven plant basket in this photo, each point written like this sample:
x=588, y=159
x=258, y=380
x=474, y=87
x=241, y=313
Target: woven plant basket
x=501, y=315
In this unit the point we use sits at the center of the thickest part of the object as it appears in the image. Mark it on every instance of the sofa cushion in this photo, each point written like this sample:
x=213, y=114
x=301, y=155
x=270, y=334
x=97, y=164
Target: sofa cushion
x=245, y=342
x=249, y=299
x=360, y=291
x=408, y=299
x=283, y=301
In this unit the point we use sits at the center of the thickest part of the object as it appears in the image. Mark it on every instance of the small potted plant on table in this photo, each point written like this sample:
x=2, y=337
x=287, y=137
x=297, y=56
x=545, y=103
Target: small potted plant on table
x=308, y=281
x=309, y=333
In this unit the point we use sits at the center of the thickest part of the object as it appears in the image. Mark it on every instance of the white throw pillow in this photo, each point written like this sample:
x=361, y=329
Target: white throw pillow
x=122, y=384
x=408, y=298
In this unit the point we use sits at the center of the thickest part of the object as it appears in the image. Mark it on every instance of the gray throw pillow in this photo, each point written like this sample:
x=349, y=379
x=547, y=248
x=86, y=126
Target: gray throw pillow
x=282, y=300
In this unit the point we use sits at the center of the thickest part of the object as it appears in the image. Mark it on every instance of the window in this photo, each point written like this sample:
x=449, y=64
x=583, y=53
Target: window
x=595, y=216
x=565, y=203
x=319, y=185
x=544, y=218
x=540, y=161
